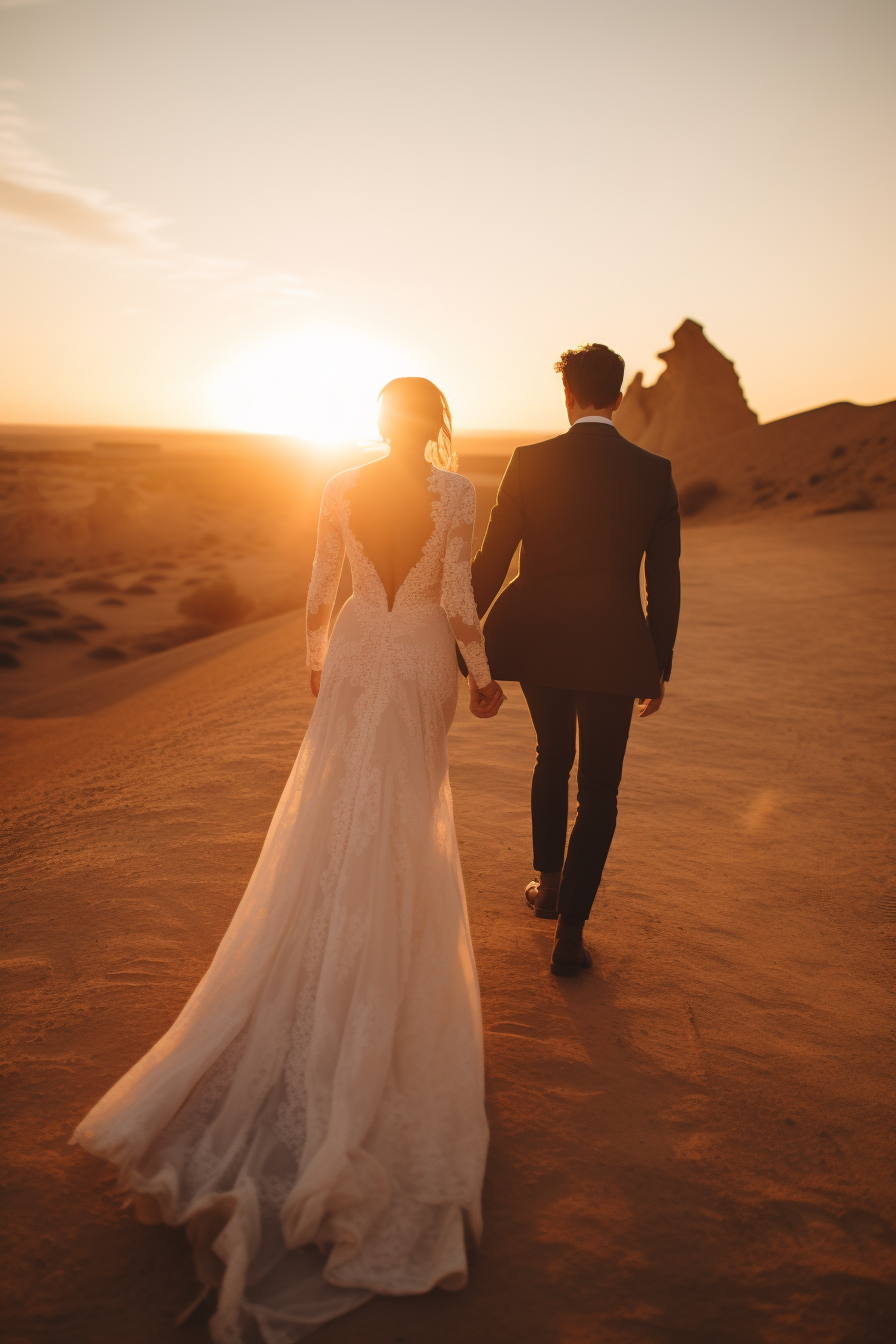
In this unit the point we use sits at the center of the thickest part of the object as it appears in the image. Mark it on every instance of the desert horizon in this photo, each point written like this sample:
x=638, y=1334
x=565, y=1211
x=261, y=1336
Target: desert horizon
x=116, y=544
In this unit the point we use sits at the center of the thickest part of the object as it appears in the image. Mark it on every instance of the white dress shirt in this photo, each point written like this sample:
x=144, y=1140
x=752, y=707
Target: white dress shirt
x=593, y=420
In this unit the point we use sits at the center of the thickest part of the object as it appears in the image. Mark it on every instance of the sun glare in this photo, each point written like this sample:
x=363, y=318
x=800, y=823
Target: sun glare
x=317, y=384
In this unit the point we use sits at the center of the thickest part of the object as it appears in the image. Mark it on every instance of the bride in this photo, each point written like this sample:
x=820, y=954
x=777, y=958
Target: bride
x=315, y=1115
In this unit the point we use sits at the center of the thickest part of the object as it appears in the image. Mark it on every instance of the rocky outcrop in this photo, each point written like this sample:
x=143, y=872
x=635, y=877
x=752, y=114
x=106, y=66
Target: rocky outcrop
x=697, y=398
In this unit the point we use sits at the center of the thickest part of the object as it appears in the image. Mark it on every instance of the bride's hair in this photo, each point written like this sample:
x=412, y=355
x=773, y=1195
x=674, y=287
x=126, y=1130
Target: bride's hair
x=418, y=401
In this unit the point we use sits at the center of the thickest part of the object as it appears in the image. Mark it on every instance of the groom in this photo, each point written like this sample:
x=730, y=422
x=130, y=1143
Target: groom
x=587, y=506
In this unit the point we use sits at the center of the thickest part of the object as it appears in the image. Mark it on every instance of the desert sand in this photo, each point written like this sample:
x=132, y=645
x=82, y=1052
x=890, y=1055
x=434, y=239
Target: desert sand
x=107, y=556
x=690, y=1144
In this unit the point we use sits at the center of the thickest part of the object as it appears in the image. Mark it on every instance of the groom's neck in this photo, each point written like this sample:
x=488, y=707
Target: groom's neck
x=575, y=411
x=578, y=412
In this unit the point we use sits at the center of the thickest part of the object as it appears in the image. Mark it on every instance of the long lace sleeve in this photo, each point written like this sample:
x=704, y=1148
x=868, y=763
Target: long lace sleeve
x=324, y=580
x=457, y=586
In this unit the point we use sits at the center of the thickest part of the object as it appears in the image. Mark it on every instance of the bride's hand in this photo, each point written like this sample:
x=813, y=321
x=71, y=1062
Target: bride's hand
x=315, y=683
x=487, y=700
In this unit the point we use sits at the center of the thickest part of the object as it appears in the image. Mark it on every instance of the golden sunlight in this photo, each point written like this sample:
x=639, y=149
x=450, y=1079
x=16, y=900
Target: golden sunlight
x=319, y=384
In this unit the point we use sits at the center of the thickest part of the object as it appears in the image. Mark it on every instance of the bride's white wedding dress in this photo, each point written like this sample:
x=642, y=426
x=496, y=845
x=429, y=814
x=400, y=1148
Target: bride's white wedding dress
x=315, y=1115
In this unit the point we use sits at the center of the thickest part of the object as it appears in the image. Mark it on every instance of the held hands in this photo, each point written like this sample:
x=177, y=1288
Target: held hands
x=653, y=703
x=485, y=702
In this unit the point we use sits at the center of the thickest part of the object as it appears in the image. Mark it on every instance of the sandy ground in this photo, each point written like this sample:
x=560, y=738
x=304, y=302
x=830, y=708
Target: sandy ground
x=691, y=1144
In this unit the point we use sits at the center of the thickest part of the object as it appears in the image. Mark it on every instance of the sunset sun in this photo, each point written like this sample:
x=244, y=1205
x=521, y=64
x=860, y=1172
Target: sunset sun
x=318, y=384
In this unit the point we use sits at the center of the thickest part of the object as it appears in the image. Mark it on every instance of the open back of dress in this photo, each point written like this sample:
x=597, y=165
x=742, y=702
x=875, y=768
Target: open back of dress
x=391, y=525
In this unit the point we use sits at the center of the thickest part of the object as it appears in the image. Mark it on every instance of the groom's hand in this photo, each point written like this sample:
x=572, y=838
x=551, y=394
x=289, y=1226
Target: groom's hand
x=485, y=702
x=651, y=704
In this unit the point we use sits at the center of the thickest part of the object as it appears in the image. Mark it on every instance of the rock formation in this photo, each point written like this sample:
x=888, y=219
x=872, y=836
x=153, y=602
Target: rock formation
x=696, y=398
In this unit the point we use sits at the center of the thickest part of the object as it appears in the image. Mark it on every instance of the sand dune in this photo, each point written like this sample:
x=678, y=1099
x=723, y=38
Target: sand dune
x=834, y=459
x=689, y=1145
x=86, y=695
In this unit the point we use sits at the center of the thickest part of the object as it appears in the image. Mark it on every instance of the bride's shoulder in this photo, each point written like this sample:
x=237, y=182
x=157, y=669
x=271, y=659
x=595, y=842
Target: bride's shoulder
x=457, y=493
x=452, y=483
x=342, y=481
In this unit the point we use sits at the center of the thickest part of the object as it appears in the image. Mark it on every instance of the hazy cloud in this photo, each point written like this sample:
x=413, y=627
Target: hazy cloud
x=20, y=4
x=34, y=193
x=276, y=290
x=87, y=216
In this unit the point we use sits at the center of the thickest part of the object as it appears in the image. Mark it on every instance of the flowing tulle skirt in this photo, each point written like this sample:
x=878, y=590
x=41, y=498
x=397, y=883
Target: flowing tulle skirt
x=315, y=1115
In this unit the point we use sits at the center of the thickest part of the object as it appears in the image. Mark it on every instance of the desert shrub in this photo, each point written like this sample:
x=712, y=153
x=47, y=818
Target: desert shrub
x=112, y=602
x=694, y=498
x=220, y=603
x=858, y=504
x=14, y=622
x=36, y=605
x=91, y=585
x=37, y=636
x=141, y=589
x=63, y=633
x=107, y=652
x=8, y=659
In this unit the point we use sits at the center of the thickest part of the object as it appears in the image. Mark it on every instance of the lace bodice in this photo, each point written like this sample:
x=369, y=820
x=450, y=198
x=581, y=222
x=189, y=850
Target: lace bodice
x=441, y=577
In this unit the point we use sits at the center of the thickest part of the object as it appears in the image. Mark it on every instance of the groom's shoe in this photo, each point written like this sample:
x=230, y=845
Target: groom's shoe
x=570, y=955
x=542, y=896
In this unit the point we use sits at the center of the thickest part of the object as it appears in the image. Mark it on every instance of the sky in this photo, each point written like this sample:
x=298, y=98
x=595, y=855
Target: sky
x=252, y=213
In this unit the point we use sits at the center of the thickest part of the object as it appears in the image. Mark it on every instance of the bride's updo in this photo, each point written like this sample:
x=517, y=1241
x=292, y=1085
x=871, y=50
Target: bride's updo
x=417, y=404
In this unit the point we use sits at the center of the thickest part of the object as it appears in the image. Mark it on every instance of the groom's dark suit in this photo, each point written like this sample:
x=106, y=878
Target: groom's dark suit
x=587, y=506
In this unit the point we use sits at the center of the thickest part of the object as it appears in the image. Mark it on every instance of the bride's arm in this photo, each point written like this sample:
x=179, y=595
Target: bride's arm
x=324, y=583
x=460, y=605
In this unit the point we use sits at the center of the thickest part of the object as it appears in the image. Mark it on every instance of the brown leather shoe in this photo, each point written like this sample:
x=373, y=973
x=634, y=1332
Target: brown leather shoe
x=543, y=903
x=570, y=955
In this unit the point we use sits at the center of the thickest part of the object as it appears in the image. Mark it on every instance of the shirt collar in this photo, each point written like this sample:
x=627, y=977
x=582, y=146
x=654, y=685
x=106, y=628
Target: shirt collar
x=593, y=420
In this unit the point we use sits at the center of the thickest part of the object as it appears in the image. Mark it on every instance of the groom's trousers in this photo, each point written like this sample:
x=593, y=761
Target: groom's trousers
x=603, y=724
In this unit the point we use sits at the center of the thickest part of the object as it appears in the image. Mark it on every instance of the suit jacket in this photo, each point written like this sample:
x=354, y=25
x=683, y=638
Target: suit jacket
x=587, y=506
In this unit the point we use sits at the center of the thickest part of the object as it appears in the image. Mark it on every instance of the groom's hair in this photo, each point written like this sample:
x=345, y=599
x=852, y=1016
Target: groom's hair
x=592, y=373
